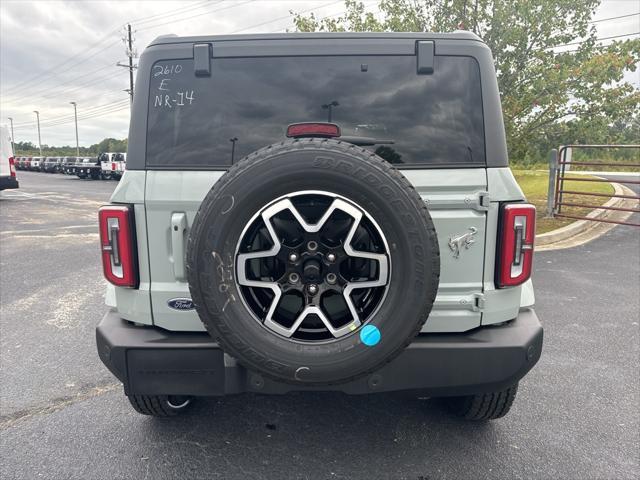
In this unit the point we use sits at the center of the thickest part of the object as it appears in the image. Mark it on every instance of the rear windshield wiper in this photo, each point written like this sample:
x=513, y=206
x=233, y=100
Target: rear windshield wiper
x=365, y=141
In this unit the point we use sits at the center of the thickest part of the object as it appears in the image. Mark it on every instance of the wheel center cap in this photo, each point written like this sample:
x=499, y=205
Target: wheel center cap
x=312, y=271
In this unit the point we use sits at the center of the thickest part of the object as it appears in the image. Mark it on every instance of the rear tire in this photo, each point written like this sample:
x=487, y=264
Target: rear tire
x=159, y=405
x=325, y=169
x=485, y=406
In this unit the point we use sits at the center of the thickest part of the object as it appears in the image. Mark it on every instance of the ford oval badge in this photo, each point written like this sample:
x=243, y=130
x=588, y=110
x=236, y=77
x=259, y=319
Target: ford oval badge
x=181, y=304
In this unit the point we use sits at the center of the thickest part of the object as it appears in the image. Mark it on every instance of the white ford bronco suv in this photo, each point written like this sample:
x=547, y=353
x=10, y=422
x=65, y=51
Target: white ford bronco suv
x=318, y=212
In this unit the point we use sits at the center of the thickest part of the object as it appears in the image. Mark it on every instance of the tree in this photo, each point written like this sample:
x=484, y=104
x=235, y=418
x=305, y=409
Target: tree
x=106, y=145
x=544, y=89
x=110, y=145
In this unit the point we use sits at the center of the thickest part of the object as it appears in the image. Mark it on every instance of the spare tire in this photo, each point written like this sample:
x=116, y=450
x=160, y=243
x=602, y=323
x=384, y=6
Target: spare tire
x=313, y=262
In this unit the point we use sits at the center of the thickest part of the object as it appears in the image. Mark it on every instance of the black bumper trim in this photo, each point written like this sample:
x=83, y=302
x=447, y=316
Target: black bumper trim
x=8, y=182
x=153, y=361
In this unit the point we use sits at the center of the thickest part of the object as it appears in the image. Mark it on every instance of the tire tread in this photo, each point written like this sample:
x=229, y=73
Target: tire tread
x=152, y=405
x=484, y=406
x=376, y=162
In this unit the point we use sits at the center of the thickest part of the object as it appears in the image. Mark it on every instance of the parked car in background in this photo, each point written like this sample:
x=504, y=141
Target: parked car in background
x=112, y=165
x=121, y=165
x=61, y=163
x=7, y=166
x=27, y=163
x=88, y=167
x=16, y=162
x=69, y=166
x=49, y=164
x=36, y=164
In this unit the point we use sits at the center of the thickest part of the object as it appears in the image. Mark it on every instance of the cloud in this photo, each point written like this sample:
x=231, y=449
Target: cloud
x=67, y=51
x=44, y=62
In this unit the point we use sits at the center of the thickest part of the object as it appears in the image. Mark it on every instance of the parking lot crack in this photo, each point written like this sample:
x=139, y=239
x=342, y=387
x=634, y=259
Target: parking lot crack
x=57, y=404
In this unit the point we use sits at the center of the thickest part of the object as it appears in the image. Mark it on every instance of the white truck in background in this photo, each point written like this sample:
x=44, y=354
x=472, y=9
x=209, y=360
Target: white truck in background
x=7, y=167
x=112, y=165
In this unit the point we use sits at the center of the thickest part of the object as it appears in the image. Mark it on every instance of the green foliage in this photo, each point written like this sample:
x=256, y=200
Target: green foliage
x=106, y=145
x=111, y=145
x=548, y=98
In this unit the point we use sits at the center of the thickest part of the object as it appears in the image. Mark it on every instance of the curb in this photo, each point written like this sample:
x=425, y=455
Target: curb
x=582, y=227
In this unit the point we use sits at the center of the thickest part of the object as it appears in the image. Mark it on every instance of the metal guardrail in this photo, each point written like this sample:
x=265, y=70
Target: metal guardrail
x=557, y=177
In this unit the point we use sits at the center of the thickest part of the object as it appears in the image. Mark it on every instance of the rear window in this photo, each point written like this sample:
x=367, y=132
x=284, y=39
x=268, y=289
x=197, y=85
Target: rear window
x=247, y=103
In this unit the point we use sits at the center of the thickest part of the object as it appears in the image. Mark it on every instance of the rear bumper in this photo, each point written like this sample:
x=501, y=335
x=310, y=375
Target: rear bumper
x=8, y=182
x=153, y=361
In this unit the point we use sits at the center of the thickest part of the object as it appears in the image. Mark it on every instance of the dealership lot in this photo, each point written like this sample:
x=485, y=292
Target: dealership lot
x=62, y=415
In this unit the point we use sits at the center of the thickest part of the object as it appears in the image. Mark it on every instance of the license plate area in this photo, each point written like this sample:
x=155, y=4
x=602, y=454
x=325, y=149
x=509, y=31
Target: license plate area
x=175, y=371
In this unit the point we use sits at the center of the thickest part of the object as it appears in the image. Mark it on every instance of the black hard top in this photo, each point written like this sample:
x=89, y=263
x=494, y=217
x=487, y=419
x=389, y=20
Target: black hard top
x=456, y=35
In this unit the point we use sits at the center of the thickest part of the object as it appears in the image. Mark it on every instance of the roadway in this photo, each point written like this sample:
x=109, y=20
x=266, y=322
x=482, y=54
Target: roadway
x=62, y=415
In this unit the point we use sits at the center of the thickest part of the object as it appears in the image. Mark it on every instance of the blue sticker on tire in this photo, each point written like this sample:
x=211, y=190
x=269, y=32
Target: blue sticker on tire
x=370, y=335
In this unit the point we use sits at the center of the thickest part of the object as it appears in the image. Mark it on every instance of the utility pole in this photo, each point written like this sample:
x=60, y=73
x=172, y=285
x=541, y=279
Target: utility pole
x=75, y=114
x=38, y=120
x=233, y=147
x=329, y=107
x=130, y=54
x=13, y=147
x=128, y=40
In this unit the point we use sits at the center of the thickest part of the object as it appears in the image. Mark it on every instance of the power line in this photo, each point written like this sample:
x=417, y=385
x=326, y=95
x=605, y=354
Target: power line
x=73, y=88
x=41, y=77
x=176, y=20
x=597, y=39
x=152, y=18
x=101, y=114
x=74, y=79
x=319, y=19
x=84, y=111
x=286, y=17
x=614, y=18
x=45, y=77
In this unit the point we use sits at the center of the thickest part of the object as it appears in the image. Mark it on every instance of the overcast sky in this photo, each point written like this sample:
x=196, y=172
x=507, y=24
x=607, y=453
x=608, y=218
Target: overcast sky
x=52, y=53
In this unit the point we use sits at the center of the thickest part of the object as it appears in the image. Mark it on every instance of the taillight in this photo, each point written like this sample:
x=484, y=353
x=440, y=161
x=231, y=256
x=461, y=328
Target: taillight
x=113, y=166
x=296, y=130
x=12, y=166
x=117, y=241
x=515, y=247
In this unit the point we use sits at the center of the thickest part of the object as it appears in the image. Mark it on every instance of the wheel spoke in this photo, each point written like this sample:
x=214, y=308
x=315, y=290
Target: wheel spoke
x=313, y=306
x=383, y=269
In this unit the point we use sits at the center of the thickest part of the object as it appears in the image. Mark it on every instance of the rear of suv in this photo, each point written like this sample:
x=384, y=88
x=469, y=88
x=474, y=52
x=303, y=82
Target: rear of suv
x=318, y=212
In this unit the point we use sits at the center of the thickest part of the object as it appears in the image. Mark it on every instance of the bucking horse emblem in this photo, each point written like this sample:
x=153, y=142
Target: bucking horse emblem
x=465, y=240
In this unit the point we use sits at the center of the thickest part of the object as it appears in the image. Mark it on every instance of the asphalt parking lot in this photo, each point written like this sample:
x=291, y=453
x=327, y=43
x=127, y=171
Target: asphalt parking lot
x=62, y=415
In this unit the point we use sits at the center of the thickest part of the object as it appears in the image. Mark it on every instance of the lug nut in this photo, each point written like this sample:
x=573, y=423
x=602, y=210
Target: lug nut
x=331, y=278
x=312, y=288
x=293, y=257
x=331, y=257
x=294, y=278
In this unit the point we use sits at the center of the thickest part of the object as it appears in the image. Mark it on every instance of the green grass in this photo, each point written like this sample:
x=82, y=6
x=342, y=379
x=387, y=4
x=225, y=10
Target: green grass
x=535, y=184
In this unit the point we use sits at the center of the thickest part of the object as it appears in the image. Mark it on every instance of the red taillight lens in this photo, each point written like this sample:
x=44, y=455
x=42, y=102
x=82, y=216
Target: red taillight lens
x=515, y=255
x=12, y=166
x=117, y=241
x=313, y=130
x=113, y=166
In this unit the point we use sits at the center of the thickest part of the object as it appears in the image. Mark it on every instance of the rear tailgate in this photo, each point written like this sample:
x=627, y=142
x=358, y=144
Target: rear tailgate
x=212, y=102
x=456, y=199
